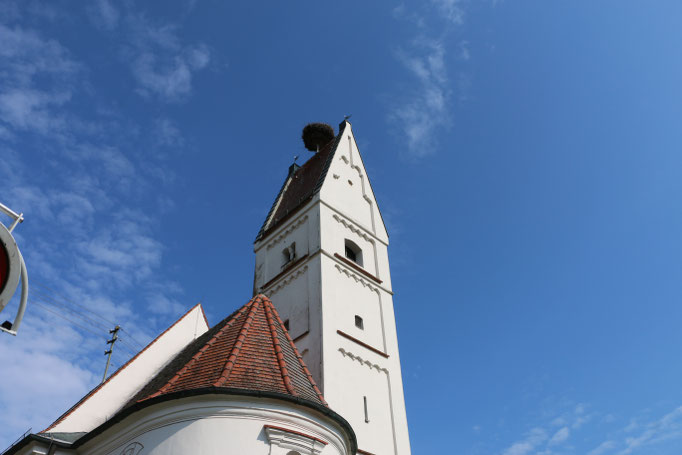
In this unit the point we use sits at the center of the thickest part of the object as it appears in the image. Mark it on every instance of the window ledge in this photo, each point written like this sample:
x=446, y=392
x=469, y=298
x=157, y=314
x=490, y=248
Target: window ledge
x=289, y=265
x=352, y=264
x=364, y=345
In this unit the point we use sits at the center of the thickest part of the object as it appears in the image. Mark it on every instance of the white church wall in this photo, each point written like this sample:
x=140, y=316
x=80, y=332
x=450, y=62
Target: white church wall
x=123, y=384
x=218, y=424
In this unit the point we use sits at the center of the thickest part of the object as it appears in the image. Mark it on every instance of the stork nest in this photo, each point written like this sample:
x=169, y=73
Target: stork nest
x=317, y=135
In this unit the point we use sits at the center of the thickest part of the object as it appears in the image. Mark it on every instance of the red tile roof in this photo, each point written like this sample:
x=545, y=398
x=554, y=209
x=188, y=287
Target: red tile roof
x=300, y=185
x=250, y=350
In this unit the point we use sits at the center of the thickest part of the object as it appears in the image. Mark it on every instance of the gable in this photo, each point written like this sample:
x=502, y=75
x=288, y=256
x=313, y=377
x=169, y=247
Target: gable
x=109, y=397
x=346, y=186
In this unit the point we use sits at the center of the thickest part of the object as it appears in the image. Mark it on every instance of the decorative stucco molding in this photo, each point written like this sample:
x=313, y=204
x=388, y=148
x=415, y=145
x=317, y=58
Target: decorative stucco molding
x=293, y=440
x=353, y=228
x=361, y=360
x=287, y=280
x=356, y=277
x=283, y=234
x=134, y=448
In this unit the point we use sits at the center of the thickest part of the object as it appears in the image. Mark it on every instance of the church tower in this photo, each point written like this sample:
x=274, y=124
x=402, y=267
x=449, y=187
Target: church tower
x=322, y=258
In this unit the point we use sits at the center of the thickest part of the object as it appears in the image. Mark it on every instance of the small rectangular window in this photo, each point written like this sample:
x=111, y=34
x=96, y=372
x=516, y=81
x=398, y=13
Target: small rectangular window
x=366, y=413
x=353, y=252
x=359, y=323
x=350, y=254
x=286, y=324
x=288, y=254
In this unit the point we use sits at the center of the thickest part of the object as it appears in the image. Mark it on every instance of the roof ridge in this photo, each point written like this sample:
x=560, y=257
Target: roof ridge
x=196, y=356
x=232, y=358
x=278, y=349
x=334, y=143
x=300, y=360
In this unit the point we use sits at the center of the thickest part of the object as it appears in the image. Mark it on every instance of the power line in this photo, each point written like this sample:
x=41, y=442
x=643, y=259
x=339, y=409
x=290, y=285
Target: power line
x=65, y=318
x=64, y=305
x=130, y=347
x=47, y=299
x=41, y=284
x=141, y=345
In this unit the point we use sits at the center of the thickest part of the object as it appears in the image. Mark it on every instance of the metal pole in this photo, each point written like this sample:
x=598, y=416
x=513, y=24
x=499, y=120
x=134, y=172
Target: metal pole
x=108, y=353
x=17, y=217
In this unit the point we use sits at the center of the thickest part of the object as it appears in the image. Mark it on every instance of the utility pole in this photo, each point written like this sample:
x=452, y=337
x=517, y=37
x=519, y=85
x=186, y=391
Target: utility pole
x=114, y=337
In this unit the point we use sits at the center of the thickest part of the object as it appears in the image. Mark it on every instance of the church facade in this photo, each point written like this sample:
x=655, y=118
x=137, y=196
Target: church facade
x=309, y=365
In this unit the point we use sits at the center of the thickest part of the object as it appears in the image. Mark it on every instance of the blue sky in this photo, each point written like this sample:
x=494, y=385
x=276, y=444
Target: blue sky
x=526, y=156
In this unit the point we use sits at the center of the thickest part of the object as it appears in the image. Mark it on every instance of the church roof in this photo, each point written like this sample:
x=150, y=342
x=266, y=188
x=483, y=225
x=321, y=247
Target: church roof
x=301, y=184
x=249, y=350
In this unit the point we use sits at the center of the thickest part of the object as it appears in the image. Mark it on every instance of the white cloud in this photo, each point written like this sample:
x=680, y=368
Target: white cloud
x=161, y=64
x=427, y=110
x=43, y=373
x=602, y=448
x=167, y=134
x=32, y=109
x=451, y=10
x=104, y=14
x=560, y=436
x=533, y=439
x=666, y=428
x=25, y=55
x=421, y=113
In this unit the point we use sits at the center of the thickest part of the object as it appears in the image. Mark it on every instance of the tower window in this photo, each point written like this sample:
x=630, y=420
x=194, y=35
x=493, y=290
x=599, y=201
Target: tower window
x=359, y=322
x=366, y=413
x=353, y=252
x=289, y=254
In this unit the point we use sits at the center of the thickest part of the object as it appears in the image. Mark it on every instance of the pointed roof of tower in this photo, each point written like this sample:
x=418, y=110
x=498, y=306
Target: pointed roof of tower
x=301, y=184
x=249, y=350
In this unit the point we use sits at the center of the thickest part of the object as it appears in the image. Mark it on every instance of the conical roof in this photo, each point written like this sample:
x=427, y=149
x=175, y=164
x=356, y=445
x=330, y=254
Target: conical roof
x=250, y=350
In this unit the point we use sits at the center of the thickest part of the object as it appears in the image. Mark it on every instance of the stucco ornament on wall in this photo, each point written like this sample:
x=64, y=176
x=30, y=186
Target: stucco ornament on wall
x=134, y=448
x=284, y=442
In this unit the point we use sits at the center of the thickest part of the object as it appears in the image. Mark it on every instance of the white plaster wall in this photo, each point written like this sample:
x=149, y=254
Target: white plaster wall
x=349, y=294
x=351, y=379
x=120, y=387
x=215, y=424
x=352, y=371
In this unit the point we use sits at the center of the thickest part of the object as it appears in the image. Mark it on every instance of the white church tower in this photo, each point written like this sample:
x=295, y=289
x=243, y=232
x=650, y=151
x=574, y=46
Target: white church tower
x=322, y=258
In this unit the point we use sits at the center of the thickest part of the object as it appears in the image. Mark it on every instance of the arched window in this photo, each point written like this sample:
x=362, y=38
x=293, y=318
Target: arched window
x=353, y=252
x=293, y=452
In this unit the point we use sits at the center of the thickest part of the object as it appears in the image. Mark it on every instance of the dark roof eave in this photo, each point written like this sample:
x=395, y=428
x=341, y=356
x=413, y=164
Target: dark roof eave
x=38, y=438
x=210, y=391
x=284, y=219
